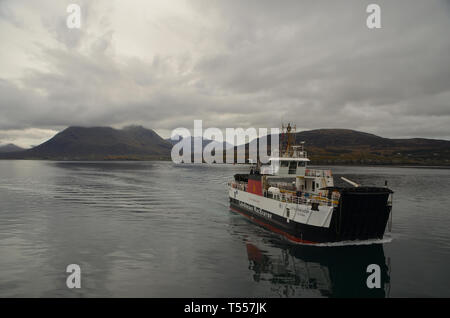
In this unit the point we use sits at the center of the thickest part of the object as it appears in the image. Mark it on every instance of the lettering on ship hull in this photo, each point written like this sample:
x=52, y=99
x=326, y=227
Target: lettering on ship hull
x=257, y=210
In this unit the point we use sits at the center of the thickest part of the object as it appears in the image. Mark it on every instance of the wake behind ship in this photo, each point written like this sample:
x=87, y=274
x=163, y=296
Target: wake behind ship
x=303, y=205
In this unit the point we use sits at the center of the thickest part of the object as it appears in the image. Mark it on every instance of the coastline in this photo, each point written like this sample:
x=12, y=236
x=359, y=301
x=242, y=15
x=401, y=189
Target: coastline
x=166, y=159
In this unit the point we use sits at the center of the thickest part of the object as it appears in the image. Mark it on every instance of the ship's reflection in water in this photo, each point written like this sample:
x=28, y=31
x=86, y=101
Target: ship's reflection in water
x=308, y=271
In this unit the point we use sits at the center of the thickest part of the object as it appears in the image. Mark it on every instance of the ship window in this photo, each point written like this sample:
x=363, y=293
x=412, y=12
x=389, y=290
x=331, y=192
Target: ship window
x=313, y=186
x=302, y=164
x=284, y=163
x=292, y=167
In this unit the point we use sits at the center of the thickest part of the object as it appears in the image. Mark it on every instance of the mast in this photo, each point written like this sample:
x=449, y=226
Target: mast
x=289, y=133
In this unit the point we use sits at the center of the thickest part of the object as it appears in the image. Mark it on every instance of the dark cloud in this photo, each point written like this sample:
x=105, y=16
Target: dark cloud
x=239, y=63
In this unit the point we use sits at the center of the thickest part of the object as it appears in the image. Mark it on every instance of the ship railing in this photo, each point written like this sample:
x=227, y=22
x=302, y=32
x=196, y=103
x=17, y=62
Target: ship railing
x=307, y=199
x=238, y=185
x=283, y=185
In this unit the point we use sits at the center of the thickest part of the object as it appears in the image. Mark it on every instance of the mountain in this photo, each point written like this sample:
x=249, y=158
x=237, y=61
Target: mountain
x=324, y=146
x=99, y=143
x=10, y=148
x=345, y=146
x=348, y=146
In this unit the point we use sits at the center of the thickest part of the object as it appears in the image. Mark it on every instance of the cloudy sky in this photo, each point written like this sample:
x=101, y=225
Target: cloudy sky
x=243, y=63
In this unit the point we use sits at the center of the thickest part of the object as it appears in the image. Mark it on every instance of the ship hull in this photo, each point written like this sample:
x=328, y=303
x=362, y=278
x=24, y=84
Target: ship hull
x=292, y=231
x=360, y=215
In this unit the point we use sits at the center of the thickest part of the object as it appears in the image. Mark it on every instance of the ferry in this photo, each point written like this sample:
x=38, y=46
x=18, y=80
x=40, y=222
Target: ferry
x=303, y=205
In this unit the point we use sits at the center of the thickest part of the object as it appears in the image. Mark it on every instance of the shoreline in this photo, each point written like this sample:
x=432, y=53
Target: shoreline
x=399, y=165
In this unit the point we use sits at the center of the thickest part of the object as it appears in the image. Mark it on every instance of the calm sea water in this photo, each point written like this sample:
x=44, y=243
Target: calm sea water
x=154, y=229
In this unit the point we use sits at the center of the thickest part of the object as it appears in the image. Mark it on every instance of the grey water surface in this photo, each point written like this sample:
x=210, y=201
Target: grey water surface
x=156, y=229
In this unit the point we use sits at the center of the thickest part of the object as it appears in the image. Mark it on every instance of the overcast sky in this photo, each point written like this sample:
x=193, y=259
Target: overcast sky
x=240, y=63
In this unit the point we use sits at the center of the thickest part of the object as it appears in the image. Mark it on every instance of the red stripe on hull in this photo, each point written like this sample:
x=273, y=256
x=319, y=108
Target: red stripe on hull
x=273, y=228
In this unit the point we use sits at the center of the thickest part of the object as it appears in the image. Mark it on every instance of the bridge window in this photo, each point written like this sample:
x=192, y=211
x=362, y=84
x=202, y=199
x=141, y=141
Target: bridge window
x=285, y=163
x=292, y=167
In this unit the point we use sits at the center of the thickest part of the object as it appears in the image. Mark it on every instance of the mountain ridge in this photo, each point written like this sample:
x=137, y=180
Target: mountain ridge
x=100, y=143
x=10, y=148
x=346, y=146
x=324, y=146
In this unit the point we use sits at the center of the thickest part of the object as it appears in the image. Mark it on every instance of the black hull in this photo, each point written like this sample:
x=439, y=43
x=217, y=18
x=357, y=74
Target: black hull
x=362, y=214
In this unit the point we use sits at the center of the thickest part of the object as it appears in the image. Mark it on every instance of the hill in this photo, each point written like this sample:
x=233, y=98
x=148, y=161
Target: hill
x=99, y=143
x=324, y=146
x=354, y=147
x=10, y=148
x=344, y=146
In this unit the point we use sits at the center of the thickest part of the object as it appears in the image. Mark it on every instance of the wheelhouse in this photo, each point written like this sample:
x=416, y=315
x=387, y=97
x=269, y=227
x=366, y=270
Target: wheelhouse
x=285, y=166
